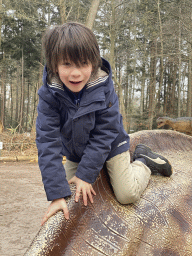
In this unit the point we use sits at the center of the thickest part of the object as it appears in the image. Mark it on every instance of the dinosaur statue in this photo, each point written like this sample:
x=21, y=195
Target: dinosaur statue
x=160, y=223
x=181, y=124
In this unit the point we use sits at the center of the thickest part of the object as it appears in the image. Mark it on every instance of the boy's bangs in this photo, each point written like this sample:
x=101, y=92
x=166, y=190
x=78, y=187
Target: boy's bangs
x=76, y=46
x=76, y=54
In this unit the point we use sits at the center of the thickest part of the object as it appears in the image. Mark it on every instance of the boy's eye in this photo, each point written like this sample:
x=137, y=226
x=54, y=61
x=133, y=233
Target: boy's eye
x=67, y=63
x=84, y=63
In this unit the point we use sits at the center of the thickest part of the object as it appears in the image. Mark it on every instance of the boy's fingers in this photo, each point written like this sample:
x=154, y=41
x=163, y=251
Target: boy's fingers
x=85, y=198
x=47, y=215
x=54, y=207
x=77, y=195
x=43, y=221
x=66, y=212
x=93, y=191
x=90, y=197
x=45, y=218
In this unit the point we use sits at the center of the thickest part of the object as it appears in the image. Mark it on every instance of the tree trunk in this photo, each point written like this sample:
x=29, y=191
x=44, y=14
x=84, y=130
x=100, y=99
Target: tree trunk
x=17, y=98
x=172, y=96
x=112, y=37
x=49, y=14
x=3, y=91
x=142, y=91
x=112, y=62
x=161, y=57
x=11, y=85
x=28, y=116
x=143, y=81
x=1, y=14
x=189, y=94
x=126, y=95
x=165, y=96
x=152, y=85
x=22, y=93
x=34, y=110
x=179, y=82
x=1, y=95
x=63, y=11
x=2, y=76
x=144, y=60
x=92, y=13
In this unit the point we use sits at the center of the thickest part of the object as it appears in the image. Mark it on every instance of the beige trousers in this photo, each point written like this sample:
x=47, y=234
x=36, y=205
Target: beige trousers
x=128, y=180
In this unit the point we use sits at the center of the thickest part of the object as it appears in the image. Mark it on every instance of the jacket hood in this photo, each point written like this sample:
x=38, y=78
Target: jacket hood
x=97, y=79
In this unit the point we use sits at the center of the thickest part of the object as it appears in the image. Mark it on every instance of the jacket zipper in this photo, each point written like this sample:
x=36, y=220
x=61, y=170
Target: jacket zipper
x=77, y=102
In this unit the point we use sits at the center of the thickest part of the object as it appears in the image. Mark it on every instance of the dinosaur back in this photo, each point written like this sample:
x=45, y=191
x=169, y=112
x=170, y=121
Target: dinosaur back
x=159, y=224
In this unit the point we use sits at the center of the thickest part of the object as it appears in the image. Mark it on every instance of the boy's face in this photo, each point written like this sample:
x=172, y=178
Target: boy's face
x=74, y=77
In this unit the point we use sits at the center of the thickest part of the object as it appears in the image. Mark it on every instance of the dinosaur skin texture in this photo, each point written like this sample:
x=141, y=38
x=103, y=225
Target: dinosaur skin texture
x=160, y=223
x=182, y=124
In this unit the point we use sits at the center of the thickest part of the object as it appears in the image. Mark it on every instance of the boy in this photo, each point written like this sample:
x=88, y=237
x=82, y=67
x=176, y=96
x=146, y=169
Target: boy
x=78, y=116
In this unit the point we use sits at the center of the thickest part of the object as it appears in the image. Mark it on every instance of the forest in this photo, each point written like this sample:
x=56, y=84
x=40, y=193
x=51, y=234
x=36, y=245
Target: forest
x=147, y=42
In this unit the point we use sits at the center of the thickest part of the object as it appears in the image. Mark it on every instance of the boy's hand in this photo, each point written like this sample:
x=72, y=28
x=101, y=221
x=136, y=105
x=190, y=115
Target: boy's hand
x=55, y=206
x=86, y=189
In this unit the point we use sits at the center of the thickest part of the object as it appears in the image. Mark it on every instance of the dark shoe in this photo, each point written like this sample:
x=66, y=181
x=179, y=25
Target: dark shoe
x=154, y=161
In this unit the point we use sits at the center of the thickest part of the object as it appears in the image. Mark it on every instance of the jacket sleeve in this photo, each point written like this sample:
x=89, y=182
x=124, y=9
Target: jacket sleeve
x=48, y=140
x=107, y=125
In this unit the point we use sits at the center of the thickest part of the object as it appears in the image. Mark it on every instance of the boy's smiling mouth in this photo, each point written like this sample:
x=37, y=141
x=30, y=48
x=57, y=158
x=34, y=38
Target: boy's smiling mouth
x=75, y=82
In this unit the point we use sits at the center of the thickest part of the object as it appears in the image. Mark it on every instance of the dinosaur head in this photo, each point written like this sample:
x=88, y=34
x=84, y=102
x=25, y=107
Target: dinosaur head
x=161, y=121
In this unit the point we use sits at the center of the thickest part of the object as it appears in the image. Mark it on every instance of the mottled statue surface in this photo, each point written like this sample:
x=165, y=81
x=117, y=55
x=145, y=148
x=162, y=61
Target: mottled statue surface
x=160, y=223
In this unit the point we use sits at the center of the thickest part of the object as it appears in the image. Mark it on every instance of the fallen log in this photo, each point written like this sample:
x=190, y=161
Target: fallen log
x=18, y=158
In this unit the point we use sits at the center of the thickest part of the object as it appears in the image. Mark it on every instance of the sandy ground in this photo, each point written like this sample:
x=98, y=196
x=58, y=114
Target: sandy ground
x=22, y=205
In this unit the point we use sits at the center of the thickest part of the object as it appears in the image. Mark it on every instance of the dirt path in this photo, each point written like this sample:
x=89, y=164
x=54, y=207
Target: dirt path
x=22, y=205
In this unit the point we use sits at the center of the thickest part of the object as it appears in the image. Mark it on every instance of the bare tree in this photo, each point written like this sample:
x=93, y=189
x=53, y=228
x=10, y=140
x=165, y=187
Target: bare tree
x=189, y=95
x=152, y=84
x=92, y=13
x=63, y=11
x=161, y=52
x=1, y=14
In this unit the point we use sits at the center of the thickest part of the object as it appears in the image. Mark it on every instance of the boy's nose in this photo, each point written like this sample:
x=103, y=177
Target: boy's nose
x=76, y=72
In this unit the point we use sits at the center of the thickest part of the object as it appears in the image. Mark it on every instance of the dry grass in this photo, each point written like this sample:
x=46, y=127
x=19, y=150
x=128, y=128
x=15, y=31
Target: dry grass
x=15, y=144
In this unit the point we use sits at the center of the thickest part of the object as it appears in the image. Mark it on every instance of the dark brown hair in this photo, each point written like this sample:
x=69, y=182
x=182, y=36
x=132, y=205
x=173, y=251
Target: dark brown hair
x=71, y=41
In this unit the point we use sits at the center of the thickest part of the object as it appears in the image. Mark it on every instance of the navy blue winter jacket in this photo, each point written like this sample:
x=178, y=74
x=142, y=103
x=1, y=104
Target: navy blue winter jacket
x=89, y=134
